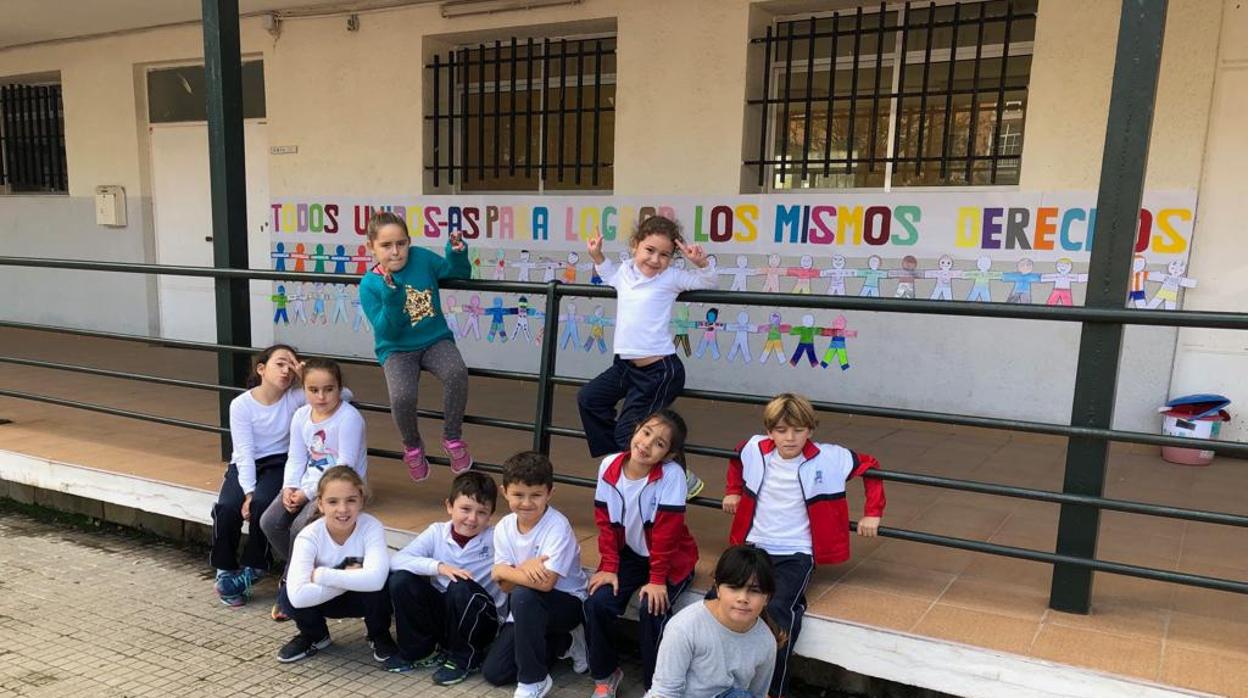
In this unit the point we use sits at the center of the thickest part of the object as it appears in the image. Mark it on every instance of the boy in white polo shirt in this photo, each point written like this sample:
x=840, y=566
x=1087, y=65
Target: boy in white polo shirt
x=537, y=561
x=441, y=585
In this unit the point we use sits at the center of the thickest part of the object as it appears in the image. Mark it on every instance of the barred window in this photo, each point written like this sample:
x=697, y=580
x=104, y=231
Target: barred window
x=523, y=115
x=32, y=138
x=838, y=113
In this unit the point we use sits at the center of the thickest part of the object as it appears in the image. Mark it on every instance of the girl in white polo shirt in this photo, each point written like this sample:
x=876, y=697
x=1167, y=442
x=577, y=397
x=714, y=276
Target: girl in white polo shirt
x=645, y=372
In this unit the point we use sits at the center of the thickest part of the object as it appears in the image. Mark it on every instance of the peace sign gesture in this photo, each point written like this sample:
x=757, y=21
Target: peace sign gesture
x=695, y=254
x=594, y=246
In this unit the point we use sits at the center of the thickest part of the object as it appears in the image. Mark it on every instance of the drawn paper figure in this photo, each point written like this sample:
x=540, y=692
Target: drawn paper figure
x=359, y=319
x=500, y=266
x=297, y=298
x=739, y=273
x=320, y=257
x=523, y=312
x=804, y=272
x=741, y=339
x=279, y=302
x=300, y=256
x=1174, y=279
x=340, y=304
x=981, y=288
x=623, y=256
x=679, y=263
x=871, y=277
x=548, y=267
x=1139, y=274
x=523, y=266
x=1022, y=280
x=805, y=340
x=318, y=304
x=681, y=324
x=451, y=313
x=905, y=276
x=836, y=348
x=773, y=271
x=472, y=317
x=340, y=259
x=838, y=273
x=569, y=332
x=597, y=322
x=712, y=264
x=709, y=339
x=1062, y=280
x=474, y=261
x=361, y=259
x=774, y=342
x=594, y=278
x=944, y=273
x=280, y=256
x=569, y=268
x=497, y=327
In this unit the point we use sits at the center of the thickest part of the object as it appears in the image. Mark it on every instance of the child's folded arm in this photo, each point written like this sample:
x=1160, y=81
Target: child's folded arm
x=416, y=556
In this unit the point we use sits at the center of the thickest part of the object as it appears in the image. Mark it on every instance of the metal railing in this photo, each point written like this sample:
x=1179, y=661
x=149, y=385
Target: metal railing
x=547, y=378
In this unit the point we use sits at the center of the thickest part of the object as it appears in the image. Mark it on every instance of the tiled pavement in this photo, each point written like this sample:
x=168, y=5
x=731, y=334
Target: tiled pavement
x=98, y=614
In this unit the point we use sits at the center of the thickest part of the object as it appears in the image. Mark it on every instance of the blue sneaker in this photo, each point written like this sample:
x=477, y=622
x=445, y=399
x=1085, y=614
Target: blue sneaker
x=234, y=588
x=450, y=674
x=254, y=575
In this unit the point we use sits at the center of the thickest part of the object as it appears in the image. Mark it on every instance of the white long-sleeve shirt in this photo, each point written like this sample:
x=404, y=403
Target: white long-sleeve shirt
x=643, y=310
x=259, y=430
x=435, y=546
x=314, y=549
x=318, y=446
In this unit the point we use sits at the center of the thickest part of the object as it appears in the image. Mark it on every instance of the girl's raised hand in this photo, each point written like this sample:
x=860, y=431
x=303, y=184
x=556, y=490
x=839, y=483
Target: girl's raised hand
x=695, y=254
x=594, y=246
x=457, y=242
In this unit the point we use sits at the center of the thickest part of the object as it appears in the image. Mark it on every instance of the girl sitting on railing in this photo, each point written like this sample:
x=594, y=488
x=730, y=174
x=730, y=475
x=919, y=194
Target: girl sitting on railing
x=400, y=297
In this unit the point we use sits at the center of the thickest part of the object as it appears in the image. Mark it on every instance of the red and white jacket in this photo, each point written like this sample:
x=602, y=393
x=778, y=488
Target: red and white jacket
x=673, y=551
x=822, y=474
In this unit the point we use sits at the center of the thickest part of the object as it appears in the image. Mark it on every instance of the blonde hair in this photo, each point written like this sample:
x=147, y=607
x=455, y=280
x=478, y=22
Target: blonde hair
x=791, y=409
x=343, y=473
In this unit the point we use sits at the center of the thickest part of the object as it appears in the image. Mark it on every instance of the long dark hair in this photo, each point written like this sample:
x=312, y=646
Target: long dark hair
x=253, y=378
x=676, y=425
x=742, y=566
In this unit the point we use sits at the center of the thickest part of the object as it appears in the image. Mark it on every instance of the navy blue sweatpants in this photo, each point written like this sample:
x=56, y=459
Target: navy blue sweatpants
x=644, y=390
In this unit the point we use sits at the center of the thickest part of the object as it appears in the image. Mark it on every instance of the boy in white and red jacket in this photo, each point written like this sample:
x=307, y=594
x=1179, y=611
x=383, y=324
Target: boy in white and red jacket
x=772, y=479
x=646, y=548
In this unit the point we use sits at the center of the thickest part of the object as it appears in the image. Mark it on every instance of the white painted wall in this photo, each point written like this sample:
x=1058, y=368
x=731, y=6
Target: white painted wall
x=351, y=102
x=1217, y=360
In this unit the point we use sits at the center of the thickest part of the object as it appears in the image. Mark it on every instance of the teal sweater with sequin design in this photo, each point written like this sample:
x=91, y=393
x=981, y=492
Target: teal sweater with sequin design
x=409, y=316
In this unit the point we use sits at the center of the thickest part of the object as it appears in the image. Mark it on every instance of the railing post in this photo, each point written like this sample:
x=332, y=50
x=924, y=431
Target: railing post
x=546, y=370
x=1123, y=166
x=224, y=73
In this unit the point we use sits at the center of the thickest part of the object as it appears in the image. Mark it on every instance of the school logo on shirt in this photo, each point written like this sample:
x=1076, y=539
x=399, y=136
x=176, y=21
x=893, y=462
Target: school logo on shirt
x=818, y=477
x=485, y=552
x=419, y=304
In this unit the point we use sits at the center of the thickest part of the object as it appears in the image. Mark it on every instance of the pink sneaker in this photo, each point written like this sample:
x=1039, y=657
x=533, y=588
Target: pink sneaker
x=417, y=465
x=457, y=451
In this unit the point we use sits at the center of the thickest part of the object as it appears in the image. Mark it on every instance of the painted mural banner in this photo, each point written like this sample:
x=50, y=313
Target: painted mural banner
x=1014, y=247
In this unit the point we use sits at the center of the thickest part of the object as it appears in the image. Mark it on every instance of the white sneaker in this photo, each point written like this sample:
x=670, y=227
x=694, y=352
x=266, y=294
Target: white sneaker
x=534, y=690
x=576, y=651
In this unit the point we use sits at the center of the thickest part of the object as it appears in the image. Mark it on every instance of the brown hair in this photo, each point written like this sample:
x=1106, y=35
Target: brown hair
x=344, y=473
x=679, y=432
x=253, y=378
x=657, y=225
x=381, y=219
x=529, y=468
x=790, y=408
x=476, y=486
x=322, y=364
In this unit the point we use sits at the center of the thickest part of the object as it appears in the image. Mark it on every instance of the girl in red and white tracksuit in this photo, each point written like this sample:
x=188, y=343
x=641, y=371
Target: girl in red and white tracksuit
x=787, y=496
x=639, y=507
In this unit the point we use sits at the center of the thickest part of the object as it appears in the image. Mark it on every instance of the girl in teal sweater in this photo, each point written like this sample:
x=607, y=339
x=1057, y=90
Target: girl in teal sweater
x=400, y=297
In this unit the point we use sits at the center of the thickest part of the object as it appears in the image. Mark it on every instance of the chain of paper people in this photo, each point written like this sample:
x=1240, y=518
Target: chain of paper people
x=334, y=304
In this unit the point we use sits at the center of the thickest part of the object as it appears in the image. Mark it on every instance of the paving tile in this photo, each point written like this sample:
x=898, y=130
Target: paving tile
x=1116, y=654
x=869, y=607
x=979, y=628
x=1217, y=673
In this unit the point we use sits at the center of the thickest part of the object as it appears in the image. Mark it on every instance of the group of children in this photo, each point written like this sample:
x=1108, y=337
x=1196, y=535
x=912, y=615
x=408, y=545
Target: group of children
x=511, y=599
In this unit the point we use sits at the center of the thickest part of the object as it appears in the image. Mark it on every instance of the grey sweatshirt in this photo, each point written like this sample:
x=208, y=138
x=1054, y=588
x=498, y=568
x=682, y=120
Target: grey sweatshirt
x=700, y=658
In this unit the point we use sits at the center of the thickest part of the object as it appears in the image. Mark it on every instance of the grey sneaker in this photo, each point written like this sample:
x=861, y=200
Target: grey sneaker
x=606, y=687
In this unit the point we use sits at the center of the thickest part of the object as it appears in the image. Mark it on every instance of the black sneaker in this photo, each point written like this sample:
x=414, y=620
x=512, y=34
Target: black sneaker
x=450, y=674
x=300, y=647
x=383, y=647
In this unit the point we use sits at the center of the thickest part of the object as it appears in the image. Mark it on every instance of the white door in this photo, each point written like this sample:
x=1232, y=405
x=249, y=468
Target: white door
x=182, y=204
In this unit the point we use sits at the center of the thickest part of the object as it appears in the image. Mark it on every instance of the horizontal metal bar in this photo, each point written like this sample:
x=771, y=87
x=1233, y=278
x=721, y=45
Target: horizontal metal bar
x=869, y=31
x=125, y=375
x=1053, y=558
x=117, y=412
x=901, y=534
x=867, y=94
x=1054, y=313
x=521, y=112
